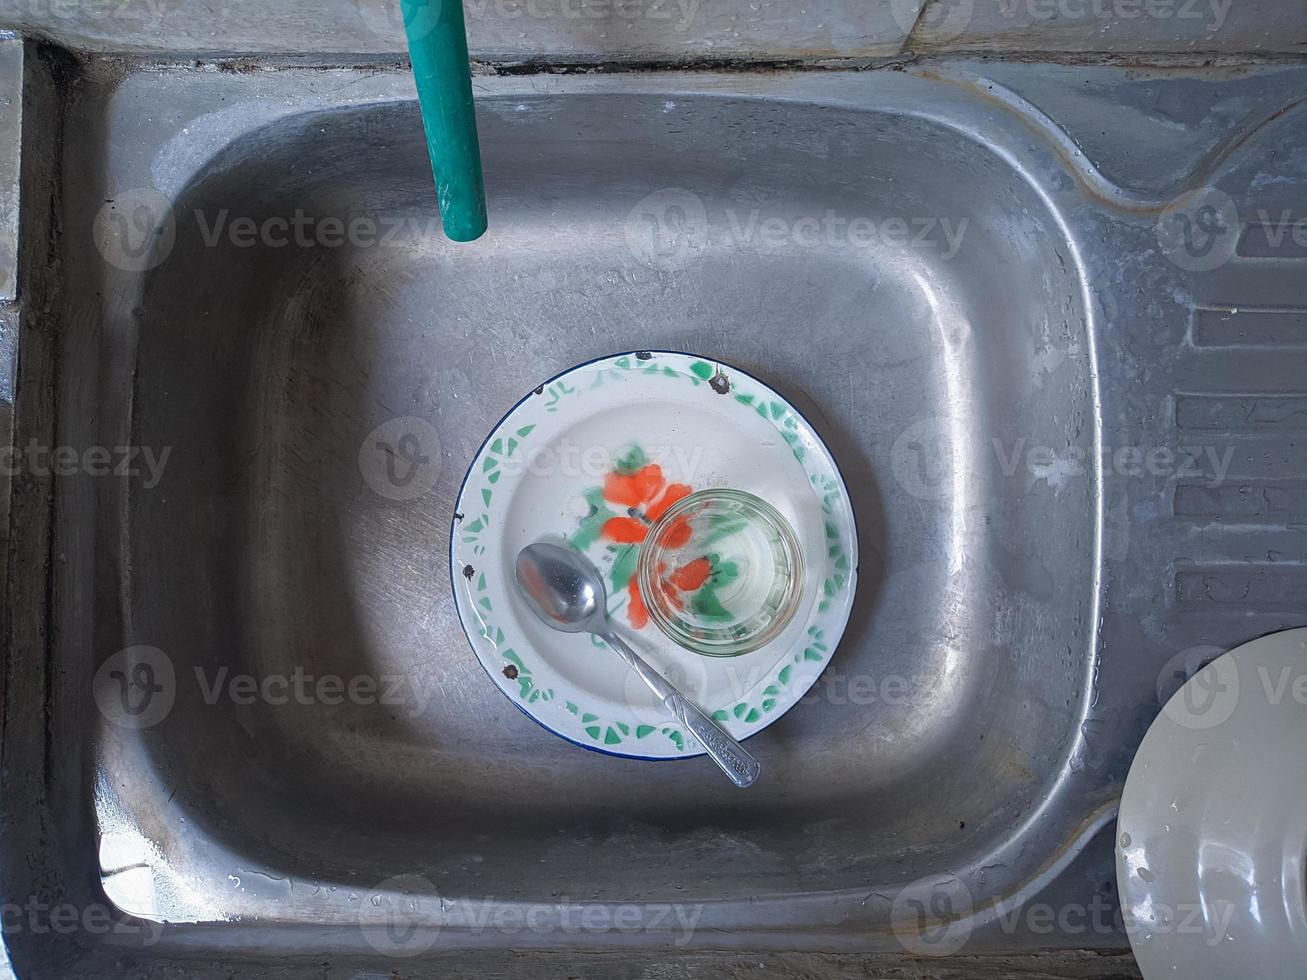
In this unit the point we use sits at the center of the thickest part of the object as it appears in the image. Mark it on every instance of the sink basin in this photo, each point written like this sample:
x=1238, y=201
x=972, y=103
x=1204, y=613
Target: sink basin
x=267, y=368
x=922, y=264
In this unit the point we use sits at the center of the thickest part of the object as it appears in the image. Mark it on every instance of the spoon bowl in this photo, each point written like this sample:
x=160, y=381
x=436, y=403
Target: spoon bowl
x=562, y=588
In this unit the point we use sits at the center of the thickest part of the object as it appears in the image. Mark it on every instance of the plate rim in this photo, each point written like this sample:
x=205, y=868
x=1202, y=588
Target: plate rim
x=531, y=393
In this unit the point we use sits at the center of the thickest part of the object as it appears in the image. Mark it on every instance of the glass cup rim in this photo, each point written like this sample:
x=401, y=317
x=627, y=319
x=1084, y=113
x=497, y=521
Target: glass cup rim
x=645, y=571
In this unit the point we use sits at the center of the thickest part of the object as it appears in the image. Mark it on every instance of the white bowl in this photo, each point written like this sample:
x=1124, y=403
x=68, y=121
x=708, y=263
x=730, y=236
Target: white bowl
x=1213, y=826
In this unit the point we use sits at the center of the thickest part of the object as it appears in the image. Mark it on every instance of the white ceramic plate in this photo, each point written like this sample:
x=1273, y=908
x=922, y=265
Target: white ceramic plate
x=1212, y=835
x=661, y=422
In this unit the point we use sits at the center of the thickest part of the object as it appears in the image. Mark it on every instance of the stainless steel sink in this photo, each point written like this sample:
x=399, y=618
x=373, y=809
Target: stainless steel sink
x=976, y=307
x=276, y=364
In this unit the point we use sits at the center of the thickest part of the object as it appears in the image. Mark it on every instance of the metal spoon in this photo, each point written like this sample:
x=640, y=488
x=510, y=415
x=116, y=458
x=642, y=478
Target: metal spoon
x=567, y=593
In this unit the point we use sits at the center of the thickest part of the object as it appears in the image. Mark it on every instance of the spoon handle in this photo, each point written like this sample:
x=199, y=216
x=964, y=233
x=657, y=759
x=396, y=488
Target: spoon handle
x=730, y=755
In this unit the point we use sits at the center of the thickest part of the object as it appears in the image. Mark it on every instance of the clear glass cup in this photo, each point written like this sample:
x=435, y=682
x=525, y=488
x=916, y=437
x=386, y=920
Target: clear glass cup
x=721, y=572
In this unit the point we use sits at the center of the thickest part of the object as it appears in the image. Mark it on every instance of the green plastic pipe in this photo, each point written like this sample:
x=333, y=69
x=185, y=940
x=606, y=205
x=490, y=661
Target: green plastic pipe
x=437, y=46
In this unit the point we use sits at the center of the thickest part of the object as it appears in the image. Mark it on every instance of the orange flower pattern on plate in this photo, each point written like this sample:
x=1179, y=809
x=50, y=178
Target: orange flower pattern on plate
x=646, y=495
